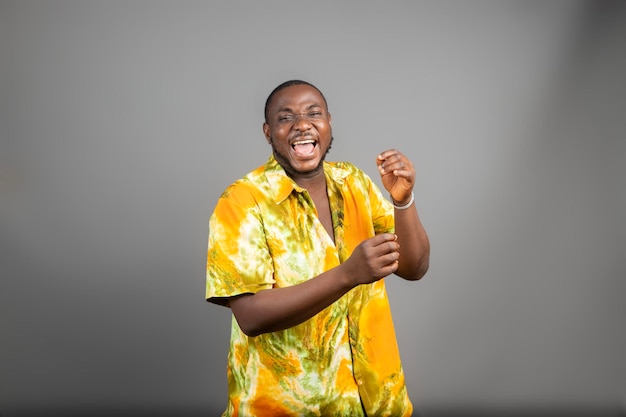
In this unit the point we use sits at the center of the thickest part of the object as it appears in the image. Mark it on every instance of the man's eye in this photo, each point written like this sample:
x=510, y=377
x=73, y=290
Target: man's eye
x=286, y=118
x=315, y=114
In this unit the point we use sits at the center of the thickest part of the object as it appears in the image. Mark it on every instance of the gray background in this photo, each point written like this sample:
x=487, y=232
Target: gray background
x=122, y=121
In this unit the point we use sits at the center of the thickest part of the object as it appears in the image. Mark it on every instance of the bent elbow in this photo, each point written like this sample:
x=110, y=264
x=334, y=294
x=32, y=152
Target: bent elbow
x=244, y=312
x=250, y=331
x=249, y=327
x=421, y=272
x=416, y=273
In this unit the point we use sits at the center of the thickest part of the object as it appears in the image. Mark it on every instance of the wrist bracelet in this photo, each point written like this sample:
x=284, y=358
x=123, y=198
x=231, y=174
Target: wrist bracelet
x=407, y=205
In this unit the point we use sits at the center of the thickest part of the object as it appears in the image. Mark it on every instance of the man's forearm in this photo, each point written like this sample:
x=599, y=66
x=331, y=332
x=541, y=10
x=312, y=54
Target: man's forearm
x=414, y=244
x=281, y=308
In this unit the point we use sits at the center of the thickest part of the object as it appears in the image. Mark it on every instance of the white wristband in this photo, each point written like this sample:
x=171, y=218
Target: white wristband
x=407, y=205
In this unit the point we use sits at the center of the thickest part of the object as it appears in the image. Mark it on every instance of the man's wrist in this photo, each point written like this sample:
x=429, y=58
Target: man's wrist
x=403, y=206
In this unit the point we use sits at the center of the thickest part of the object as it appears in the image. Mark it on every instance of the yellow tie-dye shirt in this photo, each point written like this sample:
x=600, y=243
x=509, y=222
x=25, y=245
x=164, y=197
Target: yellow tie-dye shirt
x=265, y=233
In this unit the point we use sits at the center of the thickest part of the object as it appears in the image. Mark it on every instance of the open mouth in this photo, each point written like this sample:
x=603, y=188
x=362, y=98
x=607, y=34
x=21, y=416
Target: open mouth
x=304, y=147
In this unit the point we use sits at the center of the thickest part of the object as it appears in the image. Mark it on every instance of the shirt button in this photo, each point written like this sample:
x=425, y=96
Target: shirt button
x=359, y=382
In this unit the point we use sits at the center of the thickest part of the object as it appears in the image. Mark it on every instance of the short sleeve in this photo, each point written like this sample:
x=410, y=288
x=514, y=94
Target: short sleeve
x=238, y=258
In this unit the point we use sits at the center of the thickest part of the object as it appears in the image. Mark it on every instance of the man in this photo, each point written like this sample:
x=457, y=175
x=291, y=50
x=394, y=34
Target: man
x=298, y=249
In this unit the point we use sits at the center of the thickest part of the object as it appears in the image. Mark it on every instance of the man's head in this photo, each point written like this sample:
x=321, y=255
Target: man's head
x=286, y=84
x=298, y=126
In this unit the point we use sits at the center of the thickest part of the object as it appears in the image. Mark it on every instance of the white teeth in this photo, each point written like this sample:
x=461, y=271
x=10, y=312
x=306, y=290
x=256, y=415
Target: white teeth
x=302, y=142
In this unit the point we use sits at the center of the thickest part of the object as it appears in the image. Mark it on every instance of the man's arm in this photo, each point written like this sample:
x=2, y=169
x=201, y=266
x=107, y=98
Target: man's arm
x=280, y=308
x=398, y=177
x=414, y=244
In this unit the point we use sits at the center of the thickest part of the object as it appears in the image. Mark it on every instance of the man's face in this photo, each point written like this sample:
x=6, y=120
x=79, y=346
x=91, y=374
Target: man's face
x=299, y=129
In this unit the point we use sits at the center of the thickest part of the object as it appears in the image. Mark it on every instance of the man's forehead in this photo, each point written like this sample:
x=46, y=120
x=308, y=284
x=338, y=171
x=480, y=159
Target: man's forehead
x=297, y=94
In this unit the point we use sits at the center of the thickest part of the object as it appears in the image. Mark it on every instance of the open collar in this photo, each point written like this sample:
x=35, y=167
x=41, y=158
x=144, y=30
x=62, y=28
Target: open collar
x=281, y=186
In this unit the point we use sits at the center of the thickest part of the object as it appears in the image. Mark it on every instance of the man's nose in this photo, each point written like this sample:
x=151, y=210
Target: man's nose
x=302, y=121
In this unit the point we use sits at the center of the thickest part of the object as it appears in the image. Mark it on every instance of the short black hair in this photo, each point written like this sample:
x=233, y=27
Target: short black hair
x=286, y=84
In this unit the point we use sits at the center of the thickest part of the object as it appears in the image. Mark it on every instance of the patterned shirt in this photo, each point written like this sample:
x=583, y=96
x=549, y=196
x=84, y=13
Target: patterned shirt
x=344, y=361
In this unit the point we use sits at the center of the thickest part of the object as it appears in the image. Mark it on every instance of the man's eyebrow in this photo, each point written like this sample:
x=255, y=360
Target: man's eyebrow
x=289, y=110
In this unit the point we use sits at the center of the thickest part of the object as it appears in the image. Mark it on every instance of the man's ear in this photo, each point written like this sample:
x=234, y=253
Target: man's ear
x=266, y=132
x=330, y=119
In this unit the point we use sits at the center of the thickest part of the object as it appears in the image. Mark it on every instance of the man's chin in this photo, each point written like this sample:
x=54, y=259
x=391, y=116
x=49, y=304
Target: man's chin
x=294, y=167
x=306, y=167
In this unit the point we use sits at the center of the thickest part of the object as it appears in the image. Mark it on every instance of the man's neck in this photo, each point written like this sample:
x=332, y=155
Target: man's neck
x=311, y=181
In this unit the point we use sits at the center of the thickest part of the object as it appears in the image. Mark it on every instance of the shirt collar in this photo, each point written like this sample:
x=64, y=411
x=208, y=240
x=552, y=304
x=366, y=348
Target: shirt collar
x=282, y=186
